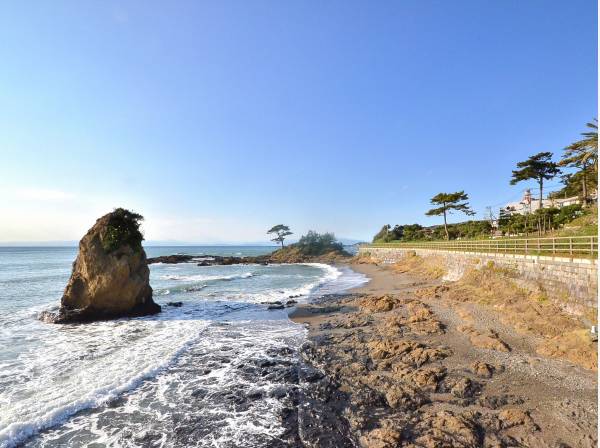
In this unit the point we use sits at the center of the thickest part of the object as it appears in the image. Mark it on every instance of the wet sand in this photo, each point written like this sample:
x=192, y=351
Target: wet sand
x=403, y=368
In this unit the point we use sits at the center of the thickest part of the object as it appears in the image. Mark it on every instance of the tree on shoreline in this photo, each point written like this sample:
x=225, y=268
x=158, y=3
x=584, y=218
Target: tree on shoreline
x=539, y=167
x=448, y=202
x=281, y=231
x=583, y=154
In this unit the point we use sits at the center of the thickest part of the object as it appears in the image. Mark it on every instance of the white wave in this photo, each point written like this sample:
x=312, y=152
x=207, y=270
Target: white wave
x=87, y=366
x=69, y=378
x=206, y=278
x=347, y=279
x=331, y=272
x=329, y=279
x=158, y=403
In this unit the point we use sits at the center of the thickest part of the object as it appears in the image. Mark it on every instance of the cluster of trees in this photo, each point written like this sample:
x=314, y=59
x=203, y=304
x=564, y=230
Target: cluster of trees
x=416, y=232
x=581, y=156
x=313, y=243
x=399, y=232
x=541, y=221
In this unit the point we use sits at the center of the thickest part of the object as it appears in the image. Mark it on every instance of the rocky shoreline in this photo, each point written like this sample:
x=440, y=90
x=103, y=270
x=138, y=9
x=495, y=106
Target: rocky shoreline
x=391, y=366
x=209, y=260
x=281, y=256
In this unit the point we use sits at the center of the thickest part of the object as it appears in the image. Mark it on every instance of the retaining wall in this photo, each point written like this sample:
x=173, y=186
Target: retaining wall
x=572, y=283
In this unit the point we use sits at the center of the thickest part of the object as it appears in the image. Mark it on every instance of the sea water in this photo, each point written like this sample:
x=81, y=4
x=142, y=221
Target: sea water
x=185, y=377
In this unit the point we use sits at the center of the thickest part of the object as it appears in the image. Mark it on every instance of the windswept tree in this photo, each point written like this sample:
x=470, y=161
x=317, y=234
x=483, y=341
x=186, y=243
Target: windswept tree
x=447, y=203
x=281, y=232
x=539, y=167
x=583, y=154
x=587, y=147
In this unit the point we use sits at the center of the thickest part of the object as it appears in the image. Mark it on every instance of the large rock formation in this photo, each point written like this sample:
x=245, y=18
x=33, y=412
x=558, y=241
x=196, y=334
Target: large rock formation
x=110, y=276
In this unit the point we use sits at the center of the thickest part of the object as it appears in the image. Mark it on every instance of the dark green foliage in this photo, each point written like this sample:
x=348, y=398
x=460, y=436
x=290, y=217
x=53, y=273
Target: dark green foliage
x=583, y=157
x=542, y=221
x=280, y=231
x=503, y=218
x=416, y=232
x=567, y=214
x=583, y=153
x=397, y=232
x=413, y=232
x=314, y=243
x=468, y=229
x=382, y=235
x=575, y=183
x=447, y=203
x=388, y=234
x=539, y=167
x=517, y=224
x=123, y=228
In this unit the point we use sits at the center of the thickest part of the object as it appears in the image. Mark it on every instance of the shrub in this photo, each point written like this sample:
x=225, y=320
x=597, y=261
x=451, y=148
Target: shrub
x=568, y=213
x=123, y=228
x=314, y=243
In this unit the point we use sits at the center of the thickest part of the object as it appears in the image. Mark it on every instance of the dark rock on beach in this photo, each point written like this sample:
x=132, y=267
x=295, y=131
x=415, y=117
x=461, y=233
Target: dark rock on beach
x=274, y=305
x=110, y=277
x=172, y=259
x=175, y=304
x=209, y=260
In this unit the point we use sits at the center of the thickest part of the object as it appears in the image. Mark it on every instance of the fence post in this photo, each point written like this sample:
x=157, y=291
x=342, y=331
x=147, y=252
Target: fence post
x=570, y=246
x=525, y=246
x=553, y=246
x=592, y=246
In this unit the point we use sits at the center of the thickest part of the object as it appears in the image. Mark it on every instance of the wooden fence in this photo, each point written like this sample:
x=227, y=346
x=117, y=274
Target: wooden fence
x=572, y=246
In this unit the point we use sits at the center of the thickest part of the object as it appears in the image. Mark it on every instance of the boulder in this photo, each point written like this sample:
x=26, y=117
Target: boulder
x=110, y=277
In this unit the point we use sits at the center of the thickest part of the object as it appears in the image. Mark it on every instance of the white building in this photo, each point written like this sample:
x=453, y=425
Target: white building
x=529, y=204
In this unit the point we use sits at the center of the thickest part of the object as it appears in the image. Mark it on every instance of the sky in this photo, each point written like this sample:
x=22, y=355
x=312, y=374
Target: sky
x=217, y=120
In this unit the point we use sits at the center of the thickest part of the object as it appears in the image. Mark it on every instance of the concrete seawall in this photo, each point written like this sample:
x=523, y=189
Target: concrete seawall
x=572, y=283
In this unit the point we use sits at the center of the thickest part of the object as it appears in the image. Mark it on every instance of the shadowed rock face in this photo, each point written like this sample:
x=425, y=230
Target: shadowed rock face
x=106, y=283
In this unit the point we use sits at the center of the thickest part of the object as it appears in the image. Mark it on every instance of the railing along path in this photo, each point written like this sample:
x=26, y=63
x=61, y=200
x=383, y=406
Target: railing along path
x=571, y=246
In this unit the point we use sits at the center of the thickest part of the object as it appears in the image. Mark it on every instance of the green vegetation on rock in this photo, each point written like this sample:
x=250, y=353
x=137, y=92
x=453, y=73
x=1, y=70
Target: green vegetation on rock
x=123, y=228
x=315, y=244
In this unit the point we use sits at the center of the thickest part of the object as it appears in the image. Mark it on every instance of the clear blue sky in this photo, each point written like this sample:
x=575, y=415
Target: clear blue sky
x=218, y=119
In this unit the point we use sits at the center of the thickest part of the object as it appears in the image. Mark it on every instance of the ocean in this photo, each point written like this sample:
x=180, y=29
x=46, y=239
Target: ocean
x=213, y=372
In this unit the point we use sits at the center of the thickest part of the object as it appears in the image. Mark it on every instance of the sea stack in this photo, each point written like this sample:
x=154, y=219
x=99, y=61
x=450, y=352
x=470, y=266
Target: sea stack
x=110, y=277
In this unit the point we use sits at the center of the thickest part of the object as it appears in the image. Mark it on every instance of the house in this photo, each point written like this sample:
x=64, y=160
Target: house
x=529, y=204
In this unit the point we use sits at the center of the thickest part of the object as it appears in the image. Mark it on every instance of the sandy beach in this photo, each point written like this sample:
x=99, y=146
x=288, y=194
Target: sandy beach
x=406, y=365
